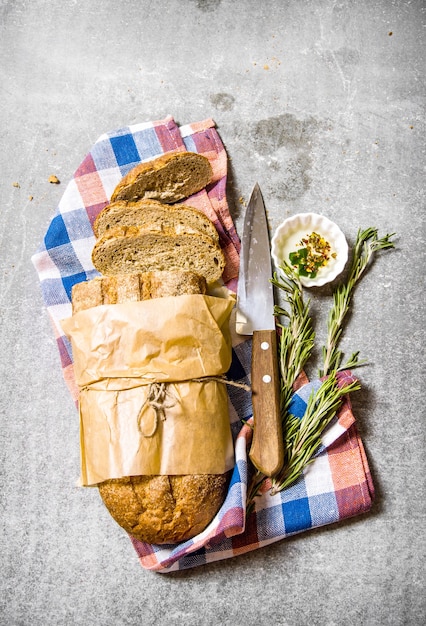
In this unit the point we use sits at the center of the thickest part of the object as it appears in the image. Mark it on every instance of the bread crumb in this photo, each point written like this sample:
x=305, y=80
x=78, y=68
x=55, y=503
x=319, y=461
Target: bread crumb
x=30, y=198
x=266, y=67
x=54, y=180
x=17, y=185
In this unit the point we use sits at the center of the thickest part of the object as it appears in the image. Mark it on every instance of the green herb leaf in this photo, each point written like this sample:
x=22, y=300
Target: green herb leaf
x=366, y=245
x=294, y=258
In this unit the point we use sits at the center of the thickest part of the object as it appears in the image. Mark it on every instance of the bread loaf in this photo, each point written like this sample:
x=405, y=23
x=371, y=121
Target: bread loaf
x=153, y=215
x=169, y=178
x=164, y=509
x=134, y=287
x=155, y=509
x=124, y=250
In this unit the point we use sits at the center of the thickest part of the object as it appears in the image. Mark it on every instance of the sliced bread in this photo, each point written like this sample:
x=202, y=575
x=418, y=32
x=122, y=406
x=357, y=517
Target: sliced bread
x=153, y=215
x=169, y=178
x=134, y=287
x=125, y=250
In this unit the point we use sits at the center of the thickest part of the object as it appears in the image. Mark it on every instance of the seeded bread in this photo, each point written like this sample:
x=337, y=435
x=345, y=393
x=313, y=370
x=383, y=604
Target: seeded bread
x=155, y=509
x=155, y=216
x=124, y=250
x=169, y=178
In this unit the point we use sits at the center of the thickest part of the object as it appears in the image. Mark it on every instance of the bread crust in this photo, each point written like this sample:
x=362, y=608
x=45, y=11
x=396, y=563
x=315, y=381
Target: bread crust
x=170, y=177
x=121, y=288
x=164, y=509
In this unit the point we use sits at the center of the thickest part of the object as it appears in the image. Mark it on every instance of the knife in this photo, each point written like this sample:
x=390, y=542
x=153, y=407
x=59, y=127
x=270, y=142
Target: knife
x=255, y=316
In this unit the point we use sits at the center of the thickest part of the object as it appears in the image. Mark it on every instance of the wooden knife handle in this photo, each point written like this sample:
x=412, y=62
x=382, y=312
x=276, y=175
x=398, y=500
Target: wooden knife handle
x=267, y=449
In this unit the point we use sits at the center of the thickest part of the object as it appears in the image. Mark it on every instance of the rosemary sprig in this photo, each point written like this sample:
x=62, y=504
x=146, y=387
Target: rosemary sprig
x=297, y=338
x=366, y=245
x=303, y=436
x=254, y=487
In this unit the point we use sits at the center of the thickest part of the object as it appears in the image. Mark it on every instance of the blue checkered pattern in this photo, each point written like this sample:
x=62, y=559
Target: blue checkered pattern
x=335, y=486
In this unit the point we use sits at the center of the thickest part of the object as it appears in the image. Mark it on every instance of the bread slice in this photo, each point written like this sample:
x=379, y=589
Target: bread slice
x=125, y=250
x=153, y=215
x=155, y=509
x=169, y=178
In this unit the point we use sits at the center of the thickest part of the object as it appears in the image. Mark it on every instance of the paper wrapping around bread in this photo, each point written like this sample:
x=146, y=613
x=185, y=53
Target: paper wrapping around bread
x=122, y=353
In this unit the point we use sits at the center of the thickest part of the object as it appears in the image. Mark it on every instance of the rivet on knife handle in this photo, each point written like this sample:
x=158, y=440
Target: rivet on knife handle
x=267, y=449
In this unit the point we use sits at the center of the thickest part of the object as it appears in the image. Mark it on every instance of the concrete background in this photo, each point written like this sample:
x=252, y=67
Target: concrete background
x=321, y=102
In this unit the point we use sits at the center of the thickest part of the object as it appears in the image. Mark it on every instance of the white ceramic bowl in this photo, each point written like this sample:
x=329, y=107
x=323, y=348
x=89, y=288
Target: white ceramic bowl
x=293, y=229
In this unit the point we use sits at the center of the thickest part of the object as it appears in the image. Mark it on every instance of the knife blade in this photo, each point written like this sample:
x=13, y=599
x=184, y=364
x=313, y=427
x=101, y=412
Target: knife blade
x=255, y=316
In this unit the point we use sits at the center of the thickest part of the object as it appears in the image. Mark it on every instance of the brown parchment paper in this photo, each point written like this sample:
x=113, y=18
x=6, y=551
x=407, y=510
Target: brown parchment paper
x=123, y=353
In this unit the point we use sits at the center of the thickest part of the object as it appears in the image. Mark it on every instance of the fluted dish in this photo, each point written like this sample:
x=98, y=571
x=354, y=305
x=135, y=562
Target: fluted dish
x=289, y=234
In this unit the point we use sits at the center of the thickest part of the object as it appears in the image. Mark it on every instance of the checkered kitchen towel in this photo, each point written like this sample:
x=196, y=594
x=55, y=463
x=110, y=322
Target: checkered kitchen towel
x=335, y=486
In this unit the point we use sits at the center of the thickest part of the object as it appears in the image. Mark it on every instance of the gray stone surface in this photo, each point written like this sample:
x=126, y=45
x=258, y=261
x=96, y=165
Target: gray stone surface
x=322, y=103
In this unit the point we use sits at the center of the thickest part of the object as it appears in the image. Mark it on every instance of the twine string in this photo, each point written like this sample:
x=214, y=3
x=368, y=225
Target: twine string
x=157, y=396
